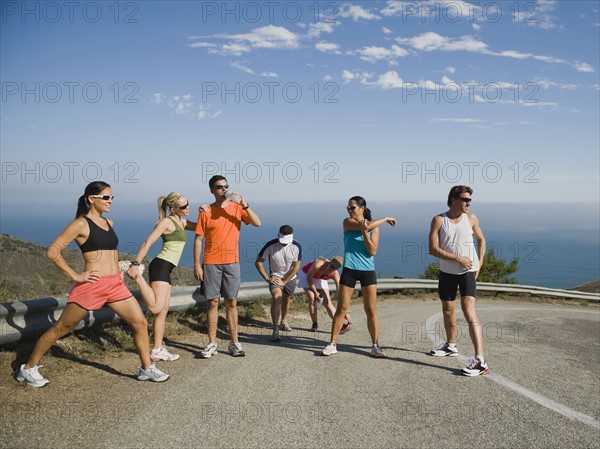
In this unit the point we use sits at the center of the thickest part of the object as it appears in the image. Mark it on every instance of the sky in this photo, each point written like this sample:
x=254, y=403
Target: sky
x=304, y=104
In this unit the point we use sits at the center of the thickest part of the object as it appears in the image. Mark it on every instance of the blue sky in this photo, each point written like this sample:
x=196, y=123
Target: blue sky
x=302, y=102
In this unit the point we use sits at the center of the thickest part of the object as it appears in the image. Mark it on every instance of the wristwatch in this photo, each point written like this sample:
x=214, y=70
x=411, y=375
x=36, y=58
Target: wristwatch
x=135, y=263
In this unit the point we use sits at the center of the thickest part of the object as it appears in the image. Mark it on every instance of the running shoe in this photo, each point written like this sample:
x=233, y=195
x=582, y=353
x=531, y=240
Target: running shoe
x=476, y=368
x=235, y=349
x=314, y=328
x=31, y=376
x=209, y=351
x=347, y=327
x=152, y=373
x=275, y=337
x=163, y=354
x=377, y=352
x=445, y=350
x=284, y=326
x=330, y=349
x=125, y=264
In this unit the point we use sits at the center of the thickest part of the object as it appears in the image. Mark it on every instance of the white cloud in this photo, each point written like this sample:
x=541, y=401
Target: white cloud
x=202, y=45
x=328, y=78
x=388, y=80
x=450, y=69
x=584, y=67
x=183, y=106
x=373, y=54
x=328, y=47
x=347, y=75
x=386, y=30
x=456, y=120
x=357, y=13
x=234, y=49
x=240, y=66
x=269, y=37
x=431, y=41
x=316, y=29
x=476, y=26
x=270, y=74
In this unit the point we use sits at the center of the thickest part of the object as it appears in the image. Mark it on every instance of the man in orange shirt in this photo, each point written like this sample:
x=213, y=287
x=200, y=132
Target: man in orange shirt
x=220, y=269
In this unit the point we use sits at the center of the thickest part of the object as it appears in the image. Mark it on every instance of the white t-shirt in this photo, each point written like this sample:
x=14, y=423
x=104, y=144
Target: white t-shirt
x=281, y=256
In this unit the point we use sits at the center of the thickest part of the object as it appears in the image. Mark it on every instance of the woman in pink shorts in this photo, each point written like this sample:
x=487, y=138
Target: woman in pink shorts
x=100, y=284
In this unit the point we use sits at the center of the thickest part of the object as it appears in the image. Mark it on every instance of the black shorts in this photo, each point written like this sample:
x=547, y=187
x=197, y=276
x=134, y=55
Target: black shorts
x=350, y=276
x=448, y=283
x=160, y=270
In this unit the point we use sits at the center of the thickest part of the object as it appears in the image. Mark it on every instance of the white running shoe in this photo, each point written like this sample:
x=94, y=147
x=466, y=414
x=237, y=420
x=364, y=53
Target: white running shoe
x=163, y=354
x=235, y=349
x=330, y=349
x=377, y=352
x=125, y=264
x=476, y=368
x=209, y=351
x=445, y=351
x=152, y=373
x=31, y=377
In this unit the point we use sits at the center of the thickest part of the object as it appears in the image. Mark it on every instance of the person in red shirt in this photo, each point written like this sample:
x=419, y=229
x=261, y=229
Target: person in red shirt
x=219, y=227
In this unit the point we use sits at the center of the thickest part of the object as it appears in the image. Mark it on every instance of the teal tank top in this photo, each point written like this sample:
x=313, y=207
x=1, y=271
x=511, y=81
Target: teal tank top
x=356, y=256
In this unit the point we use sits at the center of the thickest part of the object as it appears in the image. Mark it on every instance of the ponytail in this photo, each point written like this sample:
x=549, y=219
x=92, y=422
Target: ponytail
x=93, y=188
x=162, y=207
x=361, y=202
x=165, y=202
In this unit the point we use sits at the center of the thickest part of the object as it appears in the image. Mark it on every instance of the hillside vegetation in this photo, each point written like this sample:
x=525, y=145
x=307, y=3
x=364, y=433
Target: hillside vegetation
x=26, y=272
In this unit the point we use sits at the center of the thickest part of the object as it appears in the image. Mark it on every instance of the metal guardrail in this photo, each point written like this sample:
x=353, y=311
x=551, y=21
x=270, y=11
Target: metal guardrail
x=23, y=320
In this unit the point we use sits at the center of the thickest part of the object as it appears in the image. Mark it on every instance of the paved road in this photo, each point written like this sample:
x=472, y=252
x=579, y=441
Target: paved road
x=543, y=391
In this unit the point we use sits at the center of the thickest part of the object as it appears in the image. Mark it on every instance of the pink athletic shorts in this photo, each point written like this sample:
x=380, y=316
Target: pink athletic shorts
x=94, y=295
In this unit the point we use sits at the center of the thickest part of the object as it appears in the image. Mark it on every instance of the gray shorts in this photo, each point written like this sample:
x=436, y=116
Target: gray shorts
x=288, y=289
x=221, y=281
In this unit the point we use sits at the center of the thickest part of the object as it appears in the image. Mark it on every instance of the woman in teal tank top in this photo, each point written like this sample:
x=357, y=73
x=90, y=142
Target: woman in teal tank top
x=157, y=294
x=361, y=241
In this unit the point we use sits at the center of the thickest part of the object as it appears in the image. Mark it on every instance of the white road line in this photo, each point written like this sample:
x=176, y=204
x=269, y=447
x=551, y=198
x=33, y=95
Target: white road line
x=542, y=400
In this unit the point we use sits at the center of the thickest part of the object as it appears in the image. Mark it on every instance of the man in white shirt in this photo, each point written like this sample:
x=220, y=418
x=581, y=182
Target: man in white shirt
x=451, y=240
x=284, y=254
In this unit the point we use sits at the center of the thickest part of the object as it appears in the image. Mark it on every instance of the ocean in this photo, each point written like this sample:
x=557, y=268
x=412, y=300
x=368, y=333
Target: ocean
x=554, y=260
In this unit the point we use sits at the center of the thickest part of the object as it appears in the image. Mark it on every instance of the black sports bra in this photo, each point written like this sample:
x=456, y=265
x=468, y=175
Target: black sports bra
x=99, y=238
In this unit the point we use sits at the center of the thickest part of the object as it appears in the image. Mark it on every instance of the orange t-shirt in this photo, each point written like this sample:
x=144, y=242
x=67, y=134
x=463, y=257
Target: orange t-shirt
x=221, y=231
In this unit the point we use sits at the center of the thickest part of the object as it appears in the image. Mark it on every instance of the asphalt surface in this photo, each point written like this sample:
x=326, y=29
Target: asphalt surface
x=542, y=390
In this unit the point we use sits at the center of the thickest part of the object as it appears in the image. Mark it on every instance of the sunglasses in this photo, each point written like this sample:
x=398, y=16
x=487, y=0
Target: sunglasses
x=351, y=208
x=465, y=200
x=103, y=197
x=225, y=186
x=185, y=206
